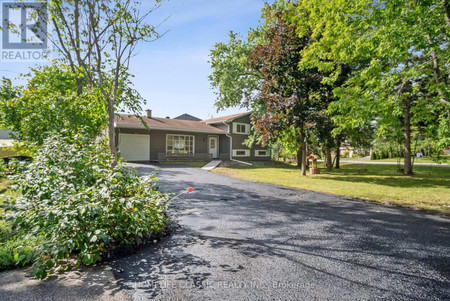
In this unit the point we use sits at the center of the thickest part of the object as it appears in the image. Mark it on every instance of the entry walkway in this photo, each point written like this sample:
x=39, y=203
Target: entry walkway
x=211, y=165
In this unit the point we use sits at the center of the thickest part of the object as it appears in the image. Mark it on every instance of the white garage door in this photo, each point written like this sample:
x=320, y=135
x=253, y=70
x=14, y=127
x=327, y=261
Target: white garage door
x=134, y=147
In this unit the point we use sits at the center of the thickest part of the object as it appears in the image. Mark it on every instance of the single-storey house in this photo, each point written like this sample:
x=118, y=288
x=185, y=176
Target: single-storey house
x=186, y=138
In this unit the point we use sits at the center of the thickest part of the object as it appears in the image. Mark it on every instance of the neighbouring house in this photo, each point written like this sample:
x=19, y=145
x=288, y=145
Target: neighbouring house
x=346, y=151
x=5, y=138
x=186, y=138
x=188, y=117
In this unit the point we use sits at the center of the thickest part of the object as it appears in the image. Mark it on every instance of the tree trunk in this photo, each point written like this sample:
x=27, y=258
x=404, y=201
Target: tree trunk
x=338, y=152
x=328, y=155
x=338, y=158
x=324, y=155
x=299, y=157
x=446, y=5
x=303, y=158
x=79, y=86
x=111, y=130
x=407, y=135
x=307, y=152
x=436, y=70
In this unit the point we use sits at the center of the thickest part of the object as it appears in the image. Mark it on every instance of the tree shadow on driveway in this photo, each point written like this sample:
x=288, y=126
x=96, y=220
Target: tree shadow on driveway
x=233, y=229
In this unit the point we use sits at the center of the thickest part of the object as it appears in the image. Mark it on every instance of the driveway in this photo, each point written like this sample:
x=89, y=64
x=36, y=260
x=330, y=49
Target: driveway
x=239, y=240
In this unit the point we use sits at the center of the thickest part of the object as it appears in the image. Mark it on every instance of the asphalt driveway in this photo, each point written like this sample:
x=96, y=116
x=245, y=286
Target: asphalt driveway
x=239, y=240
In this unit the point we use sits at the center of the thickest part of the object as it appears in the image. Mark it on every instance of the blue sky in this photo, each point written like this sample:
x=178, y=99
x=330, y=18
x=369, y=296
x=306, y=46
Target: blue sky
x=172, y=72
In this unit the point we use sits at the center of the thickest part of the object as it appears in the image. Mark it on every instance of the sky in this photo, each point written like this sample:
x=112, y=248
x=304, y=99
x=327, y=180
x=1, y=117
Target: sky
x=172, y=72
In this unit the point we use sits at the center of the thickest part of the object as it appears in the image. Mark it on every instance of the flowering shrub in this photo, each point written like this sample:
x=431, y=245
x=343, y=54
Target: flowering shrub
x=80, y=203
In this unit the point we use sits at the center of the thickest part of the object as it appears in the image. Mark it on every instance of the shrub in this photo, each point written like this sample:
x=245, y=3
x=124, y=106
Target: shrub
x=11, y=241
x=15, y=243
x=373, y=156
x=11, y=167
x=80, y=203
x=3, y=169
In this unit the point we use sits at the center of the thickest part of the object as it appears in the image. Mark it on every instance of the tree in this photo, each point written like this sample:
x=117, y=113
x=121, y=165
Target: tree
x=49, y=103
x=404, y=47
x=97, y=40
x=262, y=74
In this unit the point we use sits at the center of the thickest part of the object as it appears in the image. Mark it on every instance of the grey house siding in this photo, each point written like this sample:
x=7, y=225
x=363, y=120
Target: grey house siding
x=221, y=126
x=238, y=142
x=224, y=147
x=224, y=143
x=158, y=140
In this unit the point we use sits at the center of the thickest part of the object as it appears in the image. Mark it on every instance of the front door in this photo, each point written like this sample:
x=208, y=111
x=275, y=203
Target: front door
x=214, y=147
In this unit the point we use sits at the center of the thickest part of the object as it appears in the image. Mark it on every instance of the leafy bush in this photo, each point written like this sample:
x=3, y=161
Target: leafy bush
x=3, y=169
x=13, y=166
x=50, y=102
x=373, y=156
x=11, y=243
x=80, y=203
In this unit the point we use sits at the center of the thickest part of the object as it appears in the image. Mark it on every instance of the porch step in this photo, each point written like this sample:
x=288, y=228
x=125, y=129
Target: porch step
x=211, y=165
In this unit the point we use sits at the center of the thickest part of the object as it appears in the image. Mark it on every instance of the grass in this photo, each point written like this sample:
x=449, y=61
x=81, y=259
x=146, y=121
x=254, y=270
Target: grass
x=190, y=163
x=4, y=184
x=416, y=160
x=11, y=240
x=6, y=153
x=427, y=189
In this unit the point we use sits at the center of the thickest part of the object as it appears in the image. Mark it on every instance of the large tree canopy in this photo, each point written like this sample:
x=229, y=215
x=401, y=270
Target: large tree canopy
x=404, y=81
x=49, y=103
x=97, y=40
x=288, y=103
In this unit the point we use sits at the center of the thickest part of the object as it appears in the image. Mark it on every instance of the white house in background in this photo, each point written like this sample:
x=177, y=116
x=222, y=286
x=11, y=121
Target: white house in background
x=5, y=138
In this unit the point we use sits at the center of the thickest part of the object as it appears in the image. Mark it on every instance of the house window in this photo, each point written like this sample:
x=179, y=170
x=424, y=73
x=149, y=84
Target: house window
x=262, y=153
x=241, y=128
x=180, y=144
x=241, y=152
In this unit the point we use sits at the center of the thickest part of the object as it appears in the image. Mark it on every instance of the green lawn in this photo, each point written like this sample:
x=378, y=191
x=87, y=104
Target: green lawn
x=417, y=160
x=3, y=184
x=428, y=188
x=5, y=153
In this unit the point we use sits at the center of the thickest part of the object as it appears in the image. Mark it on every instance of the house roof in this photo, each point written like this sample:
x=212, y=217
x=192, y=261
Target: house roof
x=224, y=118
x=186, y=116
x=127, y=121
